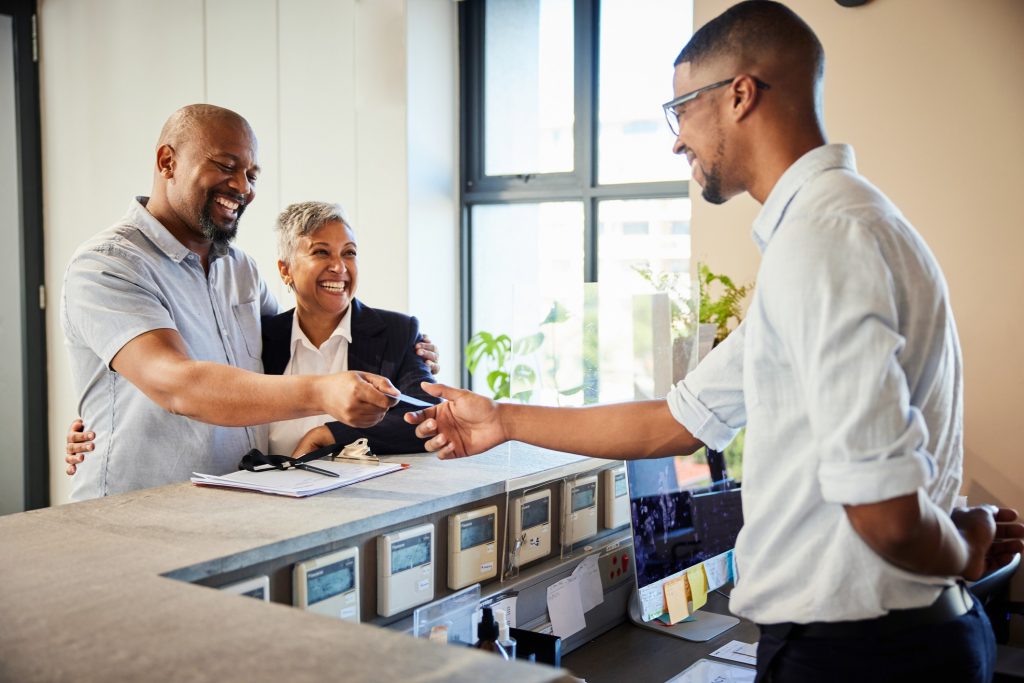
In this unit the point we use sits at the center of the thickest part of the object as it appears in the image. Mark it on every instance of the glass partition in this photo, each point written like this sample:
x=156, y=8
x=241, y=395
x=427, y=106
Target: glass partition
x=602, y=343
x=536, y=243
x=599, y=343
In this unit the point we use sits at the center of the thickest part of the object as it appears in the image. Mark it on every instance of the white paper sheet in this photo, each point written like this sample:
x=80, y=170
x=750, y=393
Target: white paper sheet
x=707, y=671
x=298, y=483
x=591, y=591
x=565, y=607
x=744, y=653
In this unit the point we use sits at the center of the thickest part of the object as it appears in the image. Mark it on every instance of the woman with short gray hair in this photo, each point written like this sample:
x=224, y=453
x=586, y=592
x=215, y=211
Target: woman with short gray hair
x=300, y=219
x=329, y=330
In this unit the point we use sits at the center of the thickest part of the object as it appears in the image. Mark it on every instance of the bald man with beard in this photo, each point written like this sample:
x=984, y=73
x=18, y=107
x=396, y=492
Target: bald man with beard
x=161, y=317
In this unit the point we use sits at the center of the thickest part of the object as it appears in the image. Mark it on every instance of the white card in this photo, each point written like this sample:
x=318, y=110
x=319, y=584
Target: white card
x=411, y=400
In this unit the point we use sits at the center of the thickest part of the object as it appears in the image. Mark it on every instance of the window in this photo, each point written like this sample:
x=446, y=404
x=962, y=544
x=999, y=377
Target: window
x=567, y=172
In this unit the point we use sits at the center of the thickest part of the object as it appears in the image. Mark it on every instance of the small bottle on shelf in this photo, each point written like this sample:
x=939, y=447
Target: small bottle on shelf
x=487, y=635
x=504, y=639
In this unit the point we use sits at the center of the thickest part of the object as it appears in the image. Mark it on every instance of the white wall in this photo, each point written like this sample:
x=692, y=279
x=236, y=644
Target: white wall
x=433, y=153
x=325, y=84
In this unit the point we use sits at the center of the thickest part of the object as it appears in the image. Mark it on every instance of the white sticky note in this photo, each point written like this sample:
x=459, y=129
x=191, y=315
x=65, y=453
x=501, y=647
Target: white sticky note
x=565, y=607
x=591, y=591
x=652, y=600
x=717, y=570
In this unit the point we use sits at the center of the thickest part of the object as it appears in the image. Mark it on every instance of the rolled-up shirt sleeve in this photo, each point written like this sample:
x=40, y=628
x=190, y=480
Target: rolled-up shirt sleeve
x=844, y=338
x=709, y=400
x=109, y=299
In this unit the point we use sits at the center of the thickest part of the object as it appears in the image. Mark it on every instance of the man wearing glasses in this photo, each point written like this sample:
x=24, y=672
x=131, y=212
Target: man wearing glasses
x=846, y=373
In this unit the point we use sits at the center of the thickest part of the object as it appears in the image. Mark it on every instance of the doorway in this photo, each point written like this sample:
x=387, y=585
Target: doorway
x=24, y=466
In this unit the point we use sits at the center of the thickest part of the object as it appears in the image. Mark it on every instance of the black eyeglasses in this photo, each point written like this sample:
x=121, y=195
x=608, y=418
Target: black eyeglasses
x=672, y=116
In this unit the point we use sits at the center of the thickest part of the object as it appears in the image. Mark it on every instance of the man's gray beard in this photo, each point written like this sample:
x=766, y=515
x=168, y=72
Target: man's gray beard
x=221, y=237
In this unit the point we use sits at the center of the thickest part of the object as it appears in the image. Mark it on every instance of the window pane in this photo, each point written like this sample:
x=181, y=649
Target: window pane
x=634, y=143
x=538, y=247
x=649, y=236
x=528, y=86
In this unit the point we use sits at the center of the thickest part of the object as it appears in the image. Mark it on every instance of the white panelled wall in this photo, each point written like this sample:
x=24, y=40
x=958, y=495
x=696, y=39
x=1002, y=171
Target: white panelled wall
x=353, y=101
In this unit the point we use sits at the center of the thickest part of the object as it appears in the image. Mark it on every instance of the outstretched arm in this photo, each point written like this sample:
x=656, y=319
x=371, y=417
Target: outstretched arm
x=157, y=362
x=468, y=424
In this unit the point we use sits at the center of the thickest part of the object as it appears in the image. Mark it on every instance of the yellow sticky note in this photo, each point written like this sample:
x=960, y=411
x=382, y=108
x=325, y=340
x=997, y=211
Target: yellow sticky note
x=675, y=599
x=698, y=586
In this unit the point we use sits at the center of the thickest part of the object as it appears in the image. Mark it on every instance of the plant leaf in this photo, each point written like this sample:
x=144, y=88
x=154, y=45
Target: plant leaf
x=528, y=345
x=524, y=374
x=557, y=314
x=497, y=380
x=485, y=345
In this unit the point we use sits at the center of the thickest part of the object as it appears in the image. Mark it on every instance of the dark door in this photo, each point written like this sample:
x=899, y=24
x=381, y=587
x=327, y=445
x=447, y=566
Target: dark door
x=24, y=469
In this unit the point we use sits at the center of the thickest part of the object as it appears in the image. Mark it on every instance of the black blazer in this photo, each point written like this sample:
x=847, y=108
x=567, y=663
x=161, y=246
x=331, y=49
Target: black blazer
x=384, y=343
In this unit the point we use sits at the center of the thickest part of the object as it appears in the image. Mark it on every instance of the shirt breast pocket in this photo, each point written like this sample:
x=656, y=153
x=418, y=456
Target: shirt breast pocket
x=247, y=316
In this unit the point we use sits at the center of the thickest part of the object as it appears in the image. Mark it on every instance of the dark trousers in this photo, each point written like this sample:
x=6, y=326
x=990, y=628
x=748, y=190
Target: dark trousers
x=962, y=650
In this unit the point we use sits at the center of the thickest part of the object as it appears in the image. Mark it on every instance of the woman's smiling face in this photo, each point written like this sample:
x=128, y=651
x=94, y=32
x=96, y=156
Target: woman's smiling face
x=323, y=271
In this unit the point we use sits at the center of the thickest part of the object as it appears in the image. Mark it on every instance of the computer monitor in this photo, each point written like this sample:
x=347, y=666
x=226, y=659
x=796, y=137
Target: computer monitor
x=682, y=514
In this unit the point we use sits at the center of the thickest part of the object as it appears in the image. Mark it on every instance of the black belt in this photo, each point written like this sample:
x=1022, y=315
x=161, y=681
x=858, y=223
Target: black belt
x=953, y=602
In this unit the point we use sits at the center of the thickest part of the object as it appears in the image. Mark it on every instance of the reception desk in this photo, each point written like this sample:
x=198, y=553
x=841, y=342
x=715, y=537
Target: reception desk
x=111, y=589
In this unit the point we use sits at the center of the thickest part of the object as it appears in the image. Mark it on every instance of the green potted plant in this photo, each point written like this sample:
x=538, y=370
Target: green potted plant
x=724, y=309
x=495, y=349
x=724, y=312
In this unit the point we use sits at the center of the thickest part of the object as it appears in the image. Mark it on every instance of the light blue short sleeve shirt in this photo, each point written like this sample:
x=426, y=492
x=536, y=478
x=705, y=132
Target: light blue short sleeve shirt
x=128, y=280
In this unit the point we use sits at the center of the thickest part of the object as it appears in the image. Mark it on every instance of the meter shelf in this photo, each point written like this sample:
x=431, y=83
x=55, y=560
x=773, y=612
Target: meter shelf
x=416, y=558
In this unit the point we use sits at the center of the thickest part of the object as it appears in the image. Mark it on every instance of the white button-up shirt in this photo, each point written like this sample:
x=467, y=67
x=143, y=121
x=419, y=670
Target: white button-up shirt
x=848, y=376
x=307, y=359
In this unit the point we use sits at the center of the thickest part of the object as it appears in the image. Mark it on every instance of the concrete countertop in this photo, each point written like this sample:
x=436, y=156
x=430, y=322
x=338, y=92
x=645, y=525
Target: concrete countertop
x=83, y=596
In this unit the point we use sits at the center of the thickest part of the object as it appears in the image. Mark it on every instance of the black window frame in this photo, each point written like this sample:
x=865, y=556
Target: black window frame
x=35, y=400
x=477, y=188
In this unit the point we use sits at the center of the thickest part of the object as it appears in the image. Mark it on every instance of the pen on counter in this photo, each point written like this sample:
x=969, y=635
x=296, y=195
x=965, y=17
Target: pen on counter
x=364, y=459
x=318, y=470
